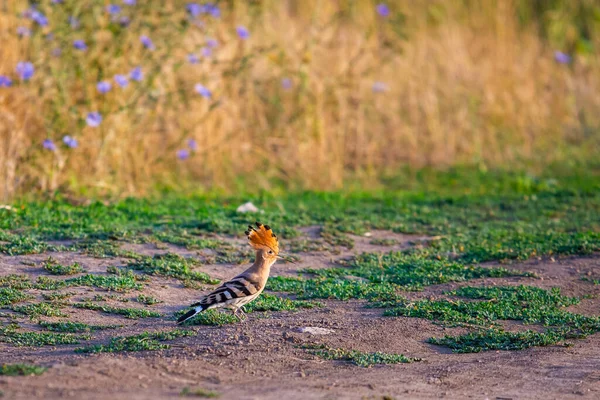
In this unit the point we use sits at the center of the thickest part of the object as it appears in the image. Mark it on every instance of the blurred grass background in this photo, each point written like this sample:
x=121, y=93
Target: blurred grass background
x=321, y=95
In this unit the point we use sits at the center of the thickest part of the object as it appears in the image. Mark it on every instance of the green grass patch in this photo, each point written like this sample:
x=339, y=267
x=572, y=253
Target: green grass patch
x=379, y=277
x=497, y=339
x=10, y=296
x=21, y=245
x=39, y=309
x=357, y=357
x=269, y=302
x=131, y=313
x=198, y=392
x=118, y=283
x=414, y=270
x=54, y=268
x=10, y=334
x=478, y=215
x=73, y=327
x=210, y=317
x=173, y=266
x=103, y=249
x=15, y=281
x=57, y=296
x=182, y=237
x=528, y=304
x=147, y=300
x=143, y=342
x=333, y=288
x=21, y=370
x=383, y=242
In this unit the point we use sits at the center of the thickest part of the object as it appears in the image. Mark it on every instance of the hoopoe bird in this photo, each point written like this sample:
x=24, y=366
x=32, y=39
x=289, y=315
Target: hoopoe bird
x=248, y=285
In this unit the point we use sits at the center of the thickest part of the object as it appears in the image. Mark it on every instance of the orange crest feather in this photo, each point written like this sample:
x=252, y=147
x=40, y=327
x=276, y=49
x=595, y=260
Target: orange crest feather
x=262, y=237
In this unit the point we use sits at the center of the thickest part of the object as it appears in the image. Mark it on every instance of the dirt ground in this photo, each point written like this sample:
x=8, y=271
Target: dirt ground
x=260, y=358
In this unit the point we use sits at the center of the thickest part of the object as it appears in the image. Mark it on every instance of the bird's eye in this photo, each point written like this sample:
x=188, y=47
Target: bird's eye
x=270, y=251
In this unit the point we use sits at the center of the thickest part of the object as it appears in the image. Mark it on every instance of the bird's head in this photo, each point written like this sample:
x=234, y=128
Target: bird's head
x=264, y=241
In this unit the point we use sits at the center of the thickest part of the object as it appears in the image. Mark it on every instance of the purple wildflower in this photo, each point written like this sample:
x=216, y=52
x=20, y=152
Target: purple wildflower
x=5, y=81
x=147, y=42
x=193, y=59
x=379, y=87
x=212, y=43
x=104, y=86
x=121, y=80
x=113, y=9
x=25, y=70
x=49, y=145
x=206, y=52
x=213, y=10
x=562, y=58
x=129, y=2
x=39, y=18
x=192, y=144
x=242, y=32
x=195, y=9
x=183, y=154
x=383, y=10
x=23, y=31
x=136, y=74
x=57, y=1
x=79, y=45
x=93, y=119
x=202, y=91
x=286, y=83
x=70, y=141
x=124, y=21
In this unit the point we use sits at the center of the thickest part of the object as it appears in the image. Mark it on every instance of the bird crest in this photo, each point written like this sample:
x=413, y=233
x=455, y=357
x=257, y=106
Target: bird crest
x=262, y=237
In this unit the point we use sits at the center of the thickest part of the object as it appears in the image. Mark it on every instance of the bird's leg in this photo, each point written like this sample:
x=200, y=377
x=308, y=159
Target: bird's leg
x=240, y=314
x=241, y=310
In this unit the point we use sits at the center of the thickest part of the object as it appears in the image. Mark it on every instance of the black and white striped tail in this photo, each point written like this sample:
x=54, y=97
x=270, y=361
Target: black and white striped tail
x=190, y=314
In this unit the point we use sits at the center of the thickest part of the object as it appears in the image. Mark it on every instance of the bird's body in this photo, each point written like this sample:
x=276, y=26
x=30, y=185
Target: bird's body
x=248, y=285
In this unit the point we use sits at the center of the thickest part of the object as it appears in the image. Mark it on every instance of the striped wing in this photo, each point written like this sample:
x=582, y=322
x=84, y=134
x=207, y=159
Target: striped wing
x=238, y=290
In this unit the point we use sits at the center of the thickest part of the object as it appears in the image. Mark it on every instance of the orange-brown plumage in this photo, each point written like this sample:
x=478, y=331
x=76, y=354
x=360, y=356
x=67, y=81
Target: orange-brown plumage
x=262, y=237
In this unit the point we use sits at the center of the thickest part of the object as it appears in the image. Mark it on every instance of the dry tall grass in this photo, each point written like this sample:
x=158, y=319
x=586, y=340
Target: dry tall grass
x=460, y=86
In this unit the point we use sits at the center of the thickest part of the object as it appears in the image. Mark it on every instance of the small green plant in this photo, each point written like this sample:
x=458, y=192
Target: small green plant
x=142, y=342
x=46, y=283
x=595, y=281
x=21, y=369
x=14, y=281
x=357, y=357
x=20, y=245
x=9, y=296
x=148, y=300
x=56, y=296
x=54, y=268
x=198, y=392
x=38, y=309
x=383, y=242
x=131, y=313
